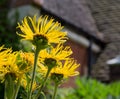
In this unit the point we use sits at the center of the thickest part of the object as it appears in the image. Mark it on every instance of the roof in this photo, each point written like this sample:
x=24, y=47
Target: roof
x=15, y=3
x=107, y=16
x=75, y=12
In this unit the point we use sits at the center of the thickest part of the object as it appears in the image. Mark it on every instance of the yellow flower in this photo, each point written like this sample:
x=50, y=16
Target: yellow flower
x=4, y=53
x=9, y=67
x=58, y=53
x=26, y=84
x=15, y=65
x=51, y=56
x=42, y=30
x=27, y=58
x=67, y=69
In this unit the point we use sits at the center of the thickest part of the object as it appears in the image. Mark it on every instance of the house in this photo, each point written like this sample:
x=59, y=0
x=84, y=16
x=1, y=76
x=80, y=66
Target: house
x=86, y=26
x=85, y=39
x=107, y=16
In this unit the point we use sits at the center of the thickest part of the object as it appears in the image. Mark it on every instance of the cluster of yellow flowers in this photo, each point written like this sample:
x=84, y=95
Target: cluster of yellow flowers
x=50, y=58
x=15, y=64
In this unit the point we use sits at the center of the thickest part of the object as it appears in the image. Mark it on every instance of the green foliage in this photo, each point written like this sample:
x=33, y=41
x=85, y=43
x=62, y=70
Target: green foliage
x=2, y=2
x=86, y=89
x=26, y=46
x=9, y=87
x=8, y=35
x=114, y=90
x=93, y=89
x=90, y=89
x=1, y=90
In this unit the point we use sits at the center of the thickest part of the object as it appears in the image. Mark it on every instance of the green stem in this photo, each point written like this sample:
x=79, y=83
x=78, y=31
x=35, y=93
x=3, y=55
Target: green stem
x=43, y=84
x=43, y=95
x=55, y=90
x=9, y=87
x=33, y=73
x=17, y=89
x=5, y=95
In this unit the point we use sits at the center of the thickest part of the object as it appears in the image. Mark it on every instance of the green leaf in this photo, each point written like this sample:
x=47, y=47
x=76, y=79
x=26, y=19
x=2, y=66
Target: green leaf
x=9, y=87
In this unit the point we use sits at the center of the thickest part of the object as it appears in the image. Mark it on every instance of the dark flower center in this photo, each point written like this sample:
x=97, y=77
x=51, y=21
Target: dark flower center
x=12, y=75
x=50, y=62
x=57, y=78
x=40, y=40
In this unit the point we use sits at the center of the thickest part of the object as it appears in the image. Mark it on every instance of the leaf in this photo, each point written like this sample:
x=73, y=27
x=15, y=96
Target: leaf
x=9, y=87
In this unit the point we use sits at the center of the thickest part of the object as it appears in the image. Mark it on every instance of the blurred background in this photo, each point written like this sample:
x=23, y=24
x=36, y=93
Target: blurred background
x=93, y=29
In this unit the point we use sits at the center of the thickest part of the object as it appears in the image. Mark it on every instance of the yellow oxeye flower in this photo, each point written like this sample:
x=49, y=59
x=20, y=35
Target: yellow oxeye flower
x=51, y=56
x=43, y=30
x=27, y=58
x=4, y=53
x=14, y=65
x=26, y=84
x=9, y=67
x=58, y=53
x=66, y=69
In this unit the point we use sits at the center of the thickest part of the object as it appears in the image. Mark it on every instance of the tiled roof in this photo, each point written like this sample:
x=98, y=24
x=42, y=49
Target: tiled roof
x=73, y=11
x=107, y=16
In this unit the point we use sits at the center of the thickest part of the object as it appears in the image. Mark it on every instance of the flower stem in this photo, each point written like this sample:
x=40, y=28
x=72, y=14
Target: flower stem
x=43, y=84
x=9, y=87
x=5, y=95
x=33, y=73
x=17, y=89
x=55, y=90
x=43, y=95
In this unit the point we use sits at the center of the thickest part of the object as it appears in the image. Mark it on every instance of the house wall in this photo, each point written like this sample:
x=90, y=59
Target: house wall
x=80, y=54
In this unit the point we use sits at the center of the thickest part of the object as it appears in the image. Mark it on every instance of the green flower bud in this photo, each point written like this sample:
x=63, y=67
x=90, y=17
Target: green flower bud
x=57, y=78
x=50, y=63
x=40, y=41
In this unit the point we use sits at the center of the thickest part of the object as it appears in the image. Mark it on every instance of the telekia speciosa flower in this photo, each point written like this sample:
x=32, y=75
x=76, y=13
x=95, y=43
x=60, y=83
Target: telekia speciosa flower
x=41, y=31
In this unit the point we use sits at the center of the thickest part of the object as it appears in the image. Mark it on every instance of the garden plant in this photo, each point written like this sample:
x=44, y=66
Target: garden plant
x=88, y=88
x=24, y=75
